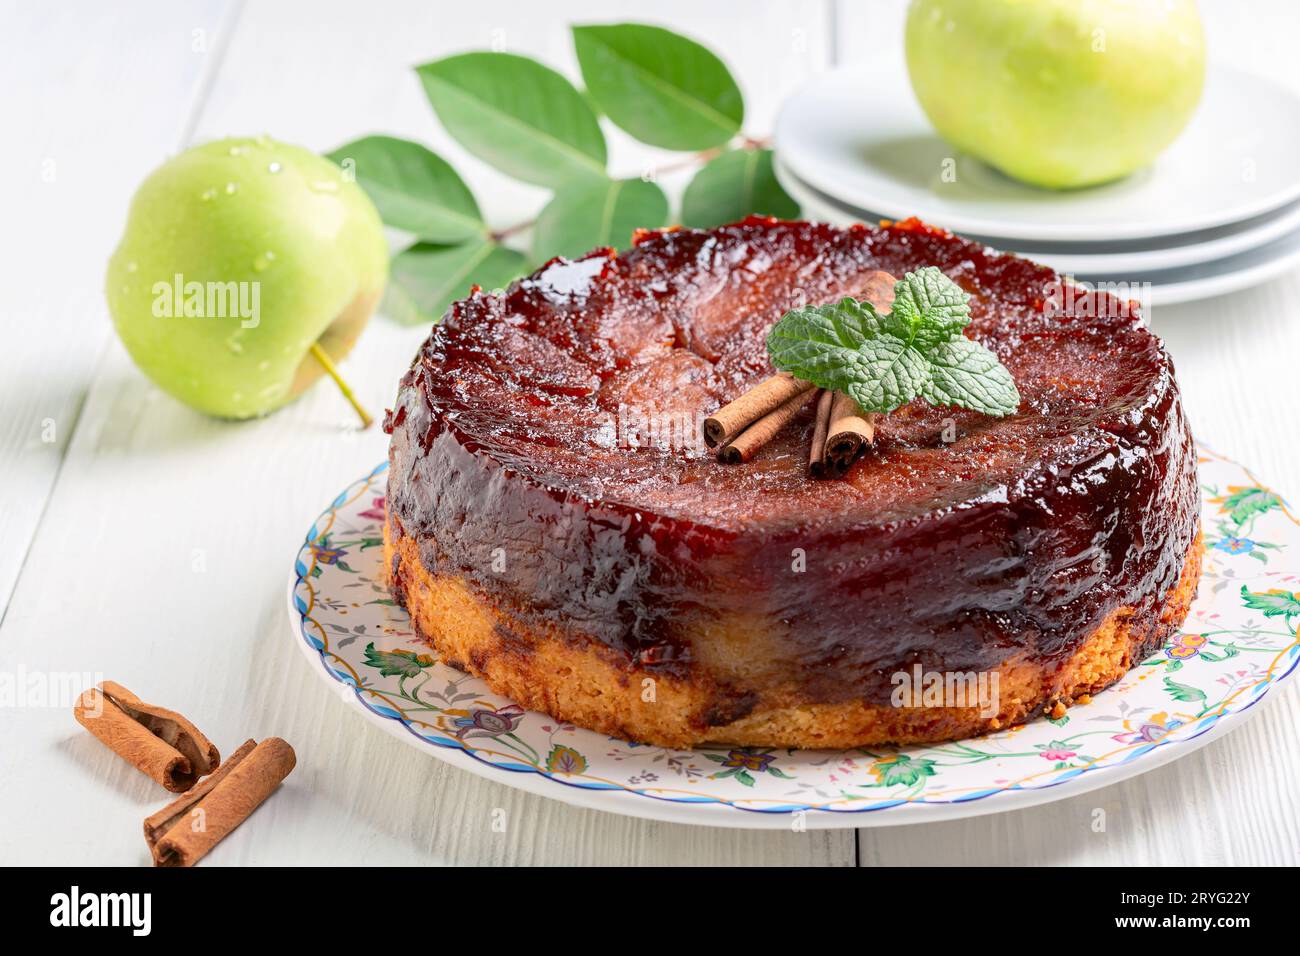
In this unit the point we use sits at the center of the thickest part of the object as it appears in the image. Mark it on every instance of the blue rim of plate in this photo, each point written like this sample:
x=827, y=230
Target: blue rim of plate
x=1206, y=724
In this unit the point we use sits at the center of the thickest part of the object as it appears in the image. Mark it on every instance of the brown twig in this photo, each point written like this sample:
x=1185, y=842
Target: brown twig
x=695, y=159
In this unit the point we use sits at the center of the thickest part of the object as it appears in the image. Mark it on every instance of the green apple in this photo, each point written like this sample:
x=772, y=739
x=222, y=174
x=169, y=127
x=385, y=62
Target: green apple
x=1058, y=93
x=239, y=256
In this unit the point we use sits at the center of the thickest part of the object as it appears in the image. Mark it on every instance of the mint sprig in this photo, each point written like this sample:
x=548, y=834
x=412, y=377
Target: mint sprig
x=885, y=361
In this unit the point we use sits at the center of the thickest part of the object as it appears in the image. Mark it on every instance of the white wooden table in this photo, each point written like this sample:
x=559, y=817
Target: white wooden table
x=144, y=542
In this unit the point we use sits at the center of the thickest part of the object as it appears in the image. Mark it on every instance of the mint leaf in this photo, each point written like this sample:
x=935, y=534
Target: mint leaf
x=884, y=361
x=413, y=188
x=823, y=343
x=929, y=308
x=890, y=373
x=965, y=373
x=523, y=118
x=660, y=87
x=584, y=216
x=736, y=184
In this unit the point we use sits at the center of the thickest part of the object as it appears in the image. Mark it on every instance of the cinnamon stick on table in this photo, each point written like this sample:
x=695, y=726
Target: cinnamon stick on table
x=157, y=825
x=765, y=397
x=182, y=833
x=160, y=743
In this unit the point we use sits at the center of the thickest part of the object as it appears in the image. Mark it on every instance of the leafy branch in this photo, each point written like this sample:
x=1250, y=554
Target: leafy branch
x=528, y=121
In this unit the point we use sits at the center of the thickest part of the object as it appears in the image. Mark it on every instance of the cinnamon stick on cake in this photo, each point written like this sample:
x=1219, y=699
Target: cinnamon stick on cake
x=743, y=446
x=821, y=426
x=850, y=429
x=724, y=425
x=841, y=428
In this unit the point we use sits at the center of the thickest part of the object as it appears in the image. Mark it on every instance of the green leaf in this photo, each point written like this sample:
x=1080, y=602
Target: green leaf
x=1183, y=692
x=523, y=118
x=397, y=663
x=564, y=759
x=412, y=188
x=842, y=347
x=928, y=308
x=1274, y=602
x=1244, y=503
x=660, y=87
x=584, y=216
x=965, y=373
x=884, y=361
x=821, y=344
x=888, y=373
x=426, y=278
x=735, y=185
x=902, y=770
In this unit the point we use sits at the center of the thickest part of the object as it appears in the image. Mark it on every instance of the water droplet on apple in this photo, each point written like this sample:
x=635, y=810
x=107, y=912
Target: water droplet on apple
x=238, y=150
x=274, y=168
x=263, y=365
x=208, y=195
x=324, y=186
x=263, y=262
x=132, y=266
x=232, y=188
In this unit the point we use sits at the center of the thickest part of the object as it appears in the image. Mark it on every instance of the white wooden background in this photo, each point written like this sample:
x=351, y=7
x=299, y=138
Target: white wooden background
x=151, y=544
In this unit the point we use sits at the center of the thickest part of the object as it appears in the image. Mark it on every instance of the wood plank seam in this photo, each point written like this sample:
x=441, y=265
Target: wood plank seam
x=203, y=90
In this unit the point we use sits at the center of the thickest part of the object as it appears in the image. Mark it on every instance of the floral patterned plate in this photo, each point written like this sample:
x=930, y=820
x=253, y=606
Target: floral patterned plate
x=1239, y=642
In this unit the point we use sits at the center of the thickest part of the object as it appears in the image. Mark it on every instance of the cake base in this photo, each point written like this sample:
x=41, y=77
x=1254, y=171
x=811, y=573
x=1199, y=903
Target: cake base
x=592, y=686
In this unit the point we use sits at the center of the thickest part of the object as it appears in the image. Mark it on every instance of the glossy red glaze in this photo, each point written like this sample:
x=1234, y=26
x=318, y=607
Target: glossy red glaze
x=959, y=541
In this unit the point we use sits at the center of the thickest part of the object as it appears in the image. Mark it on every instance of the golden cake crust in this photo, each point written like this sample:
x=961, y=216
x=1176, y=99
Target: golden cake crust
x=587, y=684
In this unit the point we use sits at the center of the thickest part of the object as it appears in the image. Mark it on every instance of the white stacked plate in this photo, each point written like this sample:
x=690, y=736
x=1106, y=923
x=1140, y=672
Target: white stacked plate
x=1218, y=211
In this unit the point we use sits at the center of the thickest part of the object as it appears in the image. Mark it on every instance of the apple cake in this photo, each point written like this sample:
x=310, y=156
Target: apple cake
x=556, y=527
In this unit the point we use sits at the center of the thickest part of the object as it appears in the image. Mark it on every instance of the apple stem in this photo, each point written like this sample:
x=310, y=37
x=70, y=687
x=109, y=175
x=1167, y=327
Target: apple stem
x=328, y=364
